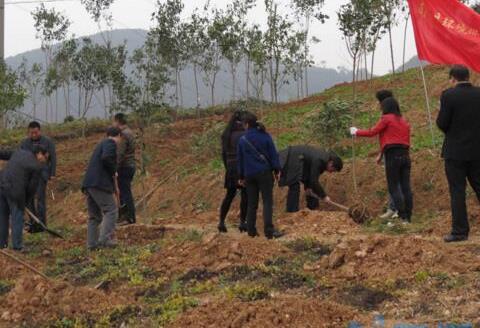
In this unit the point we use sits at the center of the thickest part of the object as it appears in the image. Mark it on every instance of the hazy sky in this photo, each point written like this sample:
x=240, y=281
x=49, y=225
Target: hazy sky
x=20, y=34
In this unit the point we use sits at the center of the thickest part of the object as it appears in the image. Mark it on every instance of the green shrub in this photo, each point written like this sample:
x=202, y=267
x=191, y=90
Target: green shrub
x=330, y=124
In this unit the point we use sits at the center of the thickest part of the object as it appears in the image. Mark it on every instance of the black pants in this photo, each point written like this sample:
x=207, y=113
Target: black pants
x=38, y=205
x=227, y=202
x=260, y=183
x=125, y=178
x=457, y=174
x=398, y=166
x=293, y=199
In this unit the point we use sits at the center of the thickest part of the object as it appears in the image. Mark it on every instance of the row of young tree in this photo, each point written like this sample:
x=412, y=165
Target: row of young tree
x=273, y=55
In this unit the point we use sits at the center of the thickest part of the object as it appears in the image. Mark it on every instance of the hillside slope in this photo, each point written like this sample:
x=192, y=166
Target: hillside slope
x=173, y=269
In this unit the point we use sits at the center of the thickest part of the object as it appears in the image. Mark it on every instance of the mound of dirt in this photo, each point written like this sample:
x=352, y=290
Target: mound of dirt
x=306, y=222
x=216, y=252
x=140, y=233
x=388, y=257
x=34, y=300
x=287, y=312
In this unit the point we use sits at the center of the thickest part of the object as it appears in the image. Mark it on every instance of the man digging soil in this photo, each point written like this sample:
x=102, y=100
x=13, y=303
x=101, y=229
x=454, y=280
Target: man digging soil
x=18, y=184
x=304, y=165
x=100, y=187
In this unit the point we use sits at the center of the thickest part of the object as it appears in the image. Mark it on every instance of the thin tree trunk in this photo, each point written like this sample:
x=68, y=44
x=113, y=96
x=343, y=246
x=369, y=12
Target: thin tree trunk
x=306, y=53
x=373, y=61
x=79, y=102
x=176, y=90
x=366, y=65
x=56, y=105
x=405, y=41
x=196, y=88
x=247, y=89
x=391, y=47
x=233, y=71
x=180, y=87
x=105, y=109
x=272, y=96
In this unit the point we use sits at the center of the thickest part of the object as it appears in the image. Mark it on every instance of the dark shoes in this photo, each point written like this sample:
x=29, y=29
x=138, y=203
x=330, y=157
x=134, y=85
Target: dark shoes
x=253, y=234
x=275, y=235
x=242, y=227
x=454, y=238
x=222, y=228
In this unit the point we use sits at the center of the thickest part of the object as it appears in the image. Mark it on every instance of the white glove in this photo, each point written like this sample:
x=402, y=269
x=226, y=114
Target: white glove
x=353, y=131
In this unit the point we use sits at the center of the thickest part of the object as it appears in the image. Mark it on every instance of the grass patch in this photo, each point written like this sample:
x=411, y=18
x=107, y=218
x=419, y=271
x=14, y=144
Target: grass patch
x=171, y=308
x=189, y=235
x=5, y=287
x=125, y=264
x=247, y=293
x=420, y=223
x=309, y=247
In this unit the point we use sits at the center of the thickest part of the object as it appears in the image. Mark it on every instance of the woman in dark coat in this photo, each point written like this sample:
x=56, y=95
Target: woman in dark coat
x=233, y=132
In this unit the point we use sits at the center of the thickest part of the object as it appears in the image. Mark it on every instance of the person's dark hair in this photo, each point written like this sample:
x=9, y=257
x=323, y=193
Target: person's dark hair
x=391, y=106
x=34, y=125
x=381, y=95
x=236, y=119
x=120, y=118
x=336, y=161
x=459, y=73
x=113, y=132
x=253, y=122
x=39, y=149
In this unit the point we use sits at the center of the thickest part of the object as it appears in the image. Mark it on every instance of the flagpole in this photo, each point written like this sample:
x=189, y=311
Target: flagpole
x=427, y=100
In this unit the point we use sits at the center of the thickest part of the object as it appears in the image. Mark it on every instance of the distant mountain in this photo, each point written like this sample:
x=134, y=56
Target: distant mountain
x=319, y=78
x=412, y=63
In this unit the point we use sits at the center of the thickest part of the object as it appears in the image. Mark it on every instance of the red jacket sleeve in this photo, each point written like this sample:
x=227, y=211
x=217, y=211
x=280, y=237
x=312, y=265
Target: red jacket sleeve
x=377, y=129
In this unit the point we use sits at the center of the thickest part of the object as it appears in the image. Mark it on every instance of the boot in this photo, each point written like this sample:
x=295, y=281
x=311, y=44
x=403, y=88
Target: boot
x=242, y=227
x=222, y=228
x=275, y=235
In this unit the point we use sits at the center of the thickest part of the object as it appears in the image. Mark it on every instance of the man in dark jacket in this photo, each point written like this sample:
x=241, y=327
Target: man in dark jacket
x=126, y=168
x=18, y=184
x=99, y=187
x=35, y=138
x=305, y=164
x=459, y=119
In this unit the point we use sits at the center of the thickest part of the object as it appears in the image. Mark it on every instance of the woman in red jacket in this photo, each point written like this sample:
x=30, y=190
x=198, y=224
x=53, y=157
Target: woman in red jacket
x=394, y=134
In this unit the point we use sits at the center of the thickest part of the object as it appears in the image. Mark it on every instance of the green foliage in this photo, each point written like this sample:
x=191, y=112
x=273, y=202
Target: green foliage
x=247, y=293
x=172, y=307
x=12, y=94
x=97, y=8
x=421, y=276
x=330, y=124
x=190, y=235
x=51, y=25
x=119, y=264
x=208, y=143
x=5, y=287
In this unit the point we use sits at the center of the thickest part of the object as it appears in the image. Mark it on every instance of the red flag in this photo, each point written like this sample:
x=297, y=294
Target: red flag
x=446, y=32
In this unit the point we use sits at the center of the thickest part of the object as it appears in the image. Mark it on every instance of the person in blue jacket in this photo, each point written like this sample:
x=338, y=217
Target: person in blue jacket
x=258, y=166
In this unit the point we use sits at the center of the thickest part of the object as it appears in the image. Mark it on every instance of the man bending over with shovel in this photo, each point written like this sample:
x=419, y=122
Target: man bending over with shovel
x=101, y=189
x=18, y=185
x=304, y=165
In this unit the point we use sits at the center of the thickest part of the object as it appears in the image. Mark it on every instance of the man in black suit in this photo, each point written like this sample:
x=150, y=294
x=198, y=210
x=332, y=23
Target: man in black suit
x=459, y=119
x=305, y=164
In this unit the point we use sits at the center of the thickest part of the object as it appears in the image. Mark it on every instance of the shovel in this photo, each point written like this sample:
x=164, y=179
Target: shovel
x=358, y=213
x=37, y=220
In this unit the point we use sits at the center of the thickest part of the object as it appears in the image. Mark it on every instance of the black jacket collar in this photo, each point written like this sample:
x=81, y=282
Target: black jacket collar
x=463, y=85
